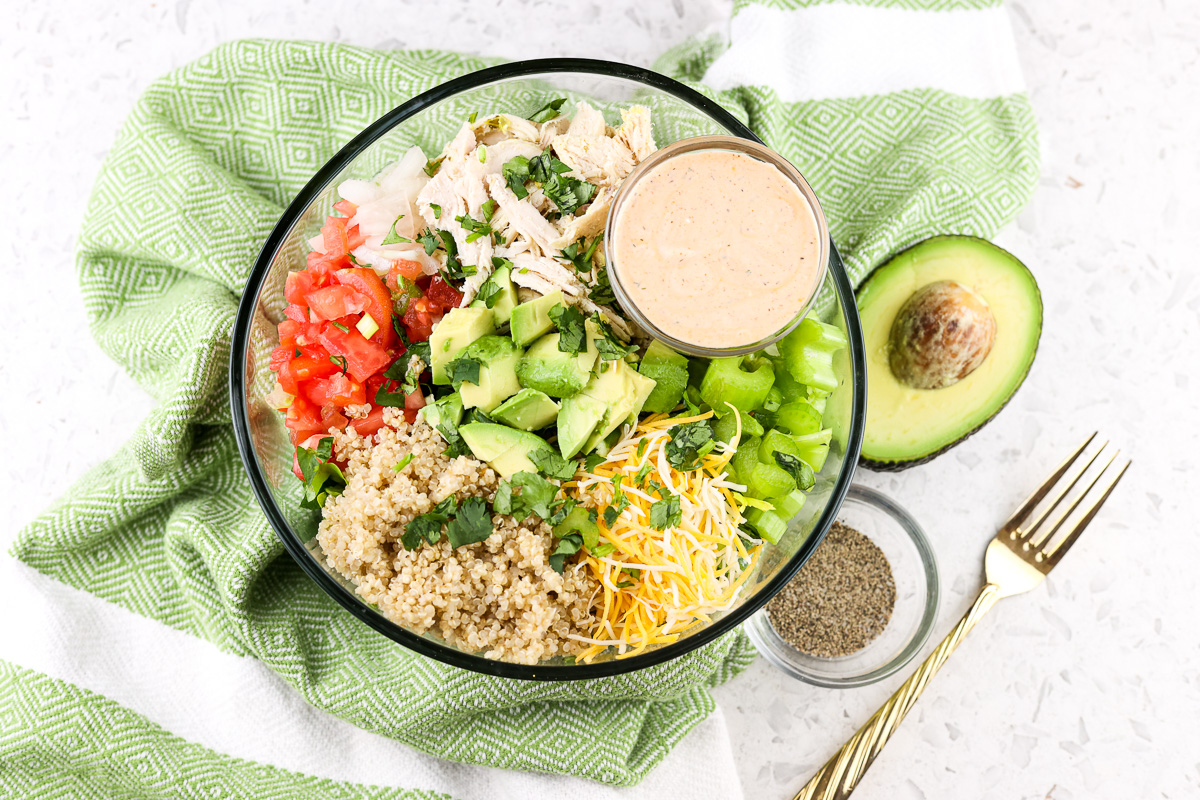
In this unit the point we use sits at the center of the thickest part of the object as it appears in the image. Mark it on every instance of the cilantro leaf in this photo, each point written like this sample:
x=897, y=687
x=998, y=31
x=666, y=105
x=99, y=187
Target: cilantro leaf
x=428, y=526
x=569, y=545
x=688, y=444
x=473, y=523
x=405, y=292
x=516, y=173
x=580, y=257
x=548, y=111
x=551, y=464
x=404, y=462
x=488, y=209
x=611, y=348
x=455, y=444
x=489, y=292
x=569, y=321
x=433, y=165
x=464, y=368
x=429, y=240
x=475, y=228
x=322, y=479
x=640, y=477
x=437, y=210
x=602, y=293
x=393, y=237
x=568, y=193
x=666, y=514
x=535, y=497
x=610, y=516
x=802, y=473
x=592, y=460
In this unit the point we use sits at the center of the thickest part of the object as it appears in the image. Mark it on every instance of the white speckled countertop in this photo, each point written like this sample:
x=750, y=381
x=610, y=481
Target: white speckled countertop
x=1088, y=688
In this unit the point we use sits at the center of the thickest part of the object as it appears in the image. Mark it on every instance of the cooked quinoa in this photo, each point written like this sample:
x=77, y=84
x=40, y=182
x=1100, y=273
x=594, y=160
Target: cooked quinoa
x=499, y=597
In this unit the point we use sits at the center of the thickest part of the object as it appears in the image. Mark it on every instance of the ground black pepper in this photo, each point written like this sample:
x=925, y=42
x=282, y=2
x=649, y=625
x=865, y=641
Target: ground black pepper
x=840, y=600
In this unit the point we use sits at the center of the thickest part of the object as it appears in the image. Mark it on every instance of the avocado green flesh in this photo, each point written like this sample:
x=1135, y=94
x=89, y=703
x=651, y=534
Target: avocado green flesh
x=528, y=410
x=551, y=371
x=530, y=320
x=498, y=358
x=907, y=426
x=454, y=333
x=505, y=449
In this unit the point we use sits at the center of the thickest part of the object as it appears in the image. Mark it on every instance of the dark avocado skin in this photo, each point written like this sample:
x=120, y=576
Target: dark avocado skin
x=901, y=465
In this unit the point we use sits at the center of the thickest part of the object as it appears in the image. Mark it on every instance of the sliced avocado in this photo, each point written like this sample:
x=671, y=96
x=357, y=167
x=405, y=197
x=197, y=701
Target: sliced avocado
x=448, y=409
x=549, y=370
x=498, y=358
x=613, y=387
x=530, y=320
x=577, y=419
x=505, y=449
x=669, y=370
x=504, y=301
x=452, y=335
x=528, y=409
x=906, y=425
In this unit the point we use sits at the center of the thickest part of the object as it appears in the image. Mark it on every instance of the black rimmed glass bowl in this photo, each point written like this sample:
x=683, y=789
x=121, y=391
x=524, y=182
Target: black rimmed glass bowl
x=430, y=120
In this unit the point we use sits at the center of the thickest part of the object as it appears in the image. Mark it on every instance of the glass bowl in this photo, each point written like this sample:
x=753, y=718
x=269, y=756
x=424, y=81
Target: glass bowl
x=755, y=150
x=917, y=595
x=430, y=120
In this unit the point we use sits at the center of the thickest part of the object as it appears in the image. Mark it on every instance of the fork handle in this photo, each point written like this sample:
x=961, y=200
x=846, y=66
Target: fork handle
x=841, y=774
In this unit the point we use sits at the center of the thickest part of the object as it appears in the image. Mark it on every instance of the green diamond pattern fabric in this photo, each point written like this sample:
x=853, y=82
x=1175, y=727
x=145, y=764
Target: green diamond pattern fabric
x=168, y=528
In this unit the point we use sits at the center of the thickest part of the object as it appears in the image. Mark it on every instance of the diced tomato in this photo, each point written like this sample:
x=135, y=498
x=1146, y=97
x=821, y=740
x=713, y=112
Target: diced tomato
x=370, y=423
x=443, y=294
x=302, y=369
x=354, y=238
x=297, y=285
x=363, y=358
x=346, y=207
x=338, y=390
x=289, y=330
x=322, y=266
x=409, y=269
x=335, y=302
x=419, y=319
x=297, y=313
x=332, y=418
x=379, y=301
x=334, y=234
x=280, y=356
x=413, y=402
x=303, y=420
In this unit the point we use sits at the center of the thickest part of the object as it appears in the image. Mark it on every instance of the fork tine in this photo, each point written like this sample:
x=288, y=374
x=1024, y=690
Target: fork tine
x=1013, y=523
x=1040, y=536
x=1054, y=555
x=1030, y=532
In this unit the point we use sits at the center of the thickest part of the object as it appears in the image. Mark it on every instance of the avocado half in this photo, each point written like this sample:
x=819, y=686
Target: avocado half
x=907, y=426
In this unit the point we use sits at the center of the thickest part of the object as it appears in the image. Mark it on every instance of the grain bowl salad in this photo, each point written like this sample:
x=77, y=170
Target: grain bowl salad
x=499, y=457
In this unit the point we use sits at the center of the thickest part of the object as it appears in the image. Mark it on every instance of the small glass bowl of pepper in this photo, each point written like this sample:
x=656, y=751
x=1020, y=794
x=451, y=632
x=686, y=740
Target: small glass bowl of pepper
x=833, y=654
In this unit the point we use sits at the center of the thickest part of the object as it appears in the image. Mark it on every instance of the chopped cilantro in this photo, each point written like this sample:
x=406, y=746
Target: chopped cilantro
x=340, y=327
x=400, y=368
x=603, y=549
x=404, y=462
x=688, y=444
x=591, y=461
x=464, y=368
x=640, y=477
x=437, y=210
x=433, y=165
x=475, y=228
x=471, y=119
x=472, y=524
x=611, y=348
x=569, y=321
x=535, y=497
x=516, y=172
x=665, y=513
x=802, y=473
x=340, y=361
x=488, y=209
x=428, y=526
x=455, y=444
x=483, y=154
x=568, y=193
x=602, y=293
x=322, y=479
x=393, y=237
x=568, y=545
x=429, y=240
x=580, y=257
x=548, y=111
x=489, y=292
x=551, y=464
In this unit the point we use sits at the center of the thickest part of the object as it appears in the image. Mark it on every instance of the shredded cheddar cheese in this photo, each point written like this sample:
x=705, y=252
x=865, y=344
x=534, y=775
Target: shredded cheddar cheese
x=657, y=584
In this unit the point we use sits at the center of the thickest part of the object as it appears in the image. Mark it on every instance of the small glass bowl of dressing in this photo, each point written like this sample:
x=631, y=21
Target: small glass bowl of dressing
x=914, y=570
x=749, y=229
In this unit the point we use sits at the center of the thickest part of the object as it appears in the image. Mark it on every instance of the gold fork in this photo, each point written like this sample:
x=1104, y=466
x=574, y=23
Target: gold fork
x=1020, y=556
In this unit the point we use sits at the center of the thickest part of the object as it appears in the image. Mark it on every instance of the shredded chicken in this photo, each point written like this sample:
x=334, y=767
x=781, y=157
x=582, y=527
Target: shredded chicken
x=523, y=216
x=597, y=159
x=587, y=122
x=636, y=133
x=589, y=223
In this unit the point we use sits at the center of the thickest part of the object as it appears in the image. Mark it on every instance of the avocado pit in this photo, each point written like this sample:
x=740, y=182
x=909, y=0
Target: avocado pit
x=941, y=334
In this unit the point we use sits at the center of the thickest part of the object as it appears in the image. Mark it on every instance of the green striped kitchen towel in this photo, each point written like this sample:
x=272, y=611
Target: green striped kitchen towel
x=166, y=646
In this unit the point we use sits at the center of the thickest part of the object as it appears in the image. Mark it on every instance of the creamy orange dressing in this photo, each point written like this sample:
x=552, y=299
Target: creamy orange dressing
x=717, y=248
